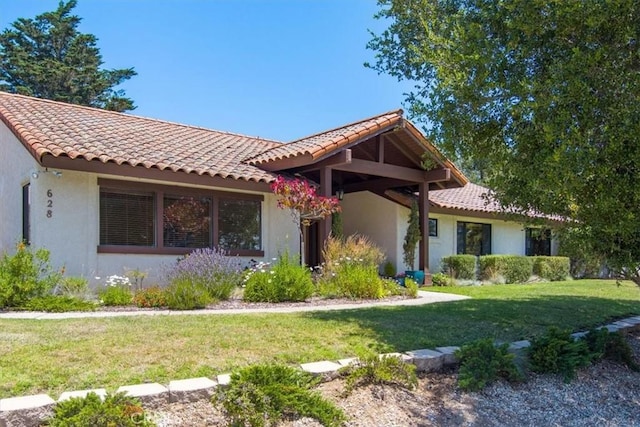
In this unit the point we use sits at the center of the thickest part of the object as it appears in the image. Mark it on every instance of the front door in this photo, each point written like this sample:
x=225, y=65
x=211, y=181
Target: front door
x=312, y=245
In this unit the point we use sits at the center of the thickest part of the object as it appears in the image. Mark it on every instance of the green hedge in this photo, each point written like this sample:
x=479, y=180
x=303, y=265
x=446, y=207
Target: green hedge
x=460, y=266
x=513, y=268
x=553, y=268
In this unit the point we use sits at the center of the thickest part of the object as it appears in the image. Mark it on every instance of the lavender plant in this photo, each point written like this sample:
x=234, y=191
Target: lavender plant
x=210, y=269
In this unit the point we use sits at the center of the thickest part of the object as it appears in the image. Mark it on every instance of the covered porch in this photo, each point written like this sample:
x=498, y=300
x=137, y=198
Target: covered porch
x=385, y=155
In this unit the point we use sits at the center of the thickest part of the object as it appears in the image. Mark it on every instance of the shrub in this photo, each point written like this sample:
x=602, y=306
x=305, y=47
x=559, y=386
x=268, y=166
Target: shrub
x=441, y=279
x=262, y=395
x=411, y=287
x=374, y=369
x=182, y=294
x=209, y=269
x=513, y=268
x=73, y=286
x=151, y=297
x=460, y=266
x=412, y=236
x=116, y=291
x=355, y=247
x=482, y=363
x=557, y=352
x=351, y=269
x=389, y=270
x=612, y=346
x=287, y=280
x=25, y=275
x=58, y=304
x=354, y=279
x=116, y=410
x=553, y=268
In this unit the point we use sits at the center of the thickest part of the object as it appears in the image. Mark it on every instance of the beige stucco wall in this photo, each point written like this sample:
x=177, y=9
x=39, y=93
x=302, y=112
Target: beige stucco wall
x=386, y=222
x=71, y=231
x=373, y=216
x=16, y=166
x=506, y=237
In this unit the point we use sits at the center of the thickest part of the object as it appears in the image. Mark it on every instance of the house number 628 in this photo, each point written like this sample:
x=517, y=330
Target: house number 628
x=49, y=203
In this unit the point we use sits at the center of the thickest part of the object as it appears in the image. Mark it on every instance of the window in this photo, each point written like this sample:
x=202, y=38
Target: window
x=187, y=221
x=474, y=239
x=537, y=242
x=26, y=213
x=433, y=227
x=154, y=219
x=239, y=224
x=127, y=219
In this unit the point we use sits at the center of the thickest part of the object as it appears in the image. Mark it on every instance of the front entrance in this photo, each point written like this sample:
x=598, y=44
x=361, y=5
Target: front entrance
x=312, y=245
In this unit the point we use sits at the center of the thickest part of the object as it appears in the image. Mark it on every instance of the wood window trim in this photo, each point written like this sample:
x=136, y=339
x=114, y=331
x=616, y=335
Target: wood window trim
x=159, y=191
x=152, y=250
x=175, y=190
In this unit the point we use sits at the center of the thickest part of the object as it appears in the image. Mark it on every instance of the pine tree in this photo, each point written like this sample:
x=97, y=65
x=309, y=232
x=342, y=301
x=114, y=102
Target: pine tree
x=47, y=57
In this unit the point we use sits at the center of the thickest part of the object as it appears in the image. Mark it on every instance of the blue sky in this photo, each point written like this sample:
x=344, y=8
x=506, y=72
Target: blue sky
x=278, y=69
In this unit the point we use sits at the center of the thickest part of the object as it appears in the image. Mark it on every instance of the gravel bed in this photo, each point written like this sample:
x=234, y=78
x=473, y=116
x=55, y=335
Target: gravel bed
x=606, y=394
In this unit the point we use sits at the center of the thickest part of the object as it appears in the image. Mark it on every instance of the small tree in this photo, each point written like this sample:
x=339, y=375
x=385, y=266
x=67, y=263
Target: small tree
x=412, y=237
x=305, y=205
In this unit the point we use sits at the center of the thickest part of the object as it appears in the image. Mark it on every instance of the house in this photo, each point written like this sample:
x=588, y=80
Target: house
x=106, y=191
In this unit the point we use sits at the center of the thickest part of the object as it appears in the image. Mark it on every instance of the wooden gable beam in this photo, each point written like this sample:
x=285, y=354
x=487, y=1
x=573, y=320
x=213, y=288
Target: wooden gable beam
x=438, y=175
x=381, y=139
x=367, y=167
x=342, y=158
x=385, y=170
x=375, y=185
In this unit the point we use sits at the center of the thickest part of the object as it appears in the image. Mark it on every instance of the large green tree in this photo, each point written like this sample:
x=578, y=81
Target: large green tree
x=544, y=93
x=47, y=57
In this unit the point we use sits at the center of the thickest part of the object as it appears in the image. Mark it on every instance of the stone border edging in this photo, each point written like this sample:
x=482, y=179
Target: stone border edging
x=27, y=411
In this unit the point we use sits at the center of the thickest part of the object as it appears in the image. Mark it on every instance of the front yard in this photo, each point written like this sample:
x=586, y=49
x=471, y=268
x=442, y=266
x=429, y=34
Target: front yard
x=56, y=355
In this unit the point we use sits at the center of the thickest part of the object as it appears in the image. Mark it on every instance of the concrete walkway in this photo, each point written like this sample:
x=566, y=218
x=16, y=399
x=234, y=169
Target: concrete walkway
x=424, y=297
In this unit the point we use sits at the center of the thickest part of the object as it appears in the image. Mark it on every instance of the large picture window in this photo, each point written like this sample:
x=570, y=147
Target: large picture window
x=145, y=218
x=473, y=238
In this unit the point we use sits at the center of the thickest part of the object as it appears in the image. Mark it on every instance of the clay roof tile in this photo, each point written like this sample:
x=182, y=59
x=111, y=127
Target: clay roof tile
x=53, y=128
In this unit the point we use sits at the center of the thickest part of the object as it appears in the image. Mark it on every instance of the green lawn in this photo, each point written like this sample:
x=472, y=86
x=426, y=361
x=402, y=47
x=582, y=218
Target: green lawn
x=55, y=355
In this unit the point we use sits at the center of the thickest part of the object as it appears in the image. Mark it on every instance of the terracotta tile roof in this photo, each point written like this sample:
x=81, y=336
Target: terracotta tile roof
x=58, y=129
x=320, y=144
x=471, y=197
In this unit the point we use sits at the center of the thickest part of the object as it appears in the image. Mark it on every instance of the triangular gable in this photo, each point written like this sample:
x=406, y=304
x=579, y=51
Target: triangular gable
x=334, y=147
x=316, y=147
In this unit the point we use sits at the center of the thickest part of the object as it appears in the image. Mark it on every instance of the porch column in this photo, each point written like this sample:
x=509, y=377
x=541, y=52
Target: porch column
x=423, y=205
x=324, y=229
